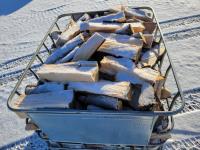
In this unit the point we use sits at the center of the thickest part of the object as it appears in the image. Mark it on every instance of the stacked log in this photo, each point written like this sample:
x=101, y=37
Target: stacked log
x=102, y=62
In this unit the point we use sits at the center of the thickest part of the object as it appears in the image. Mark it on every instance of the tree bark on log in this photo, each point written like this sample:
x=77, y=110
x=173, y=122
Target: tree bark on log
x=68, y=57
x=43, y=88
x=58, y=99
x=93, y=107
x=120, y=90
x=62, y=51
x=72, y=71
x=103, y=101
x=87, y=49
x=145, y=96
x=149, y=27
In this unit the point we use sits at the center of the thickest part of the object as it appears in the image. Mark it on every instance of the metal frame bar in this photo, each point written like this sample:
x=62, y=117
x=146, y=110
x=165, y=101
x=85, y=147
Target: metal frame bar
x=156, y=113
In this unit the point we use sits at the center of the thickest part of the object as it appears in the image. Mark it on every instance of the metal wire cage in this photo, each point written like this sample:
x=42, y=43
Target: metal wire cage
x=100, y=129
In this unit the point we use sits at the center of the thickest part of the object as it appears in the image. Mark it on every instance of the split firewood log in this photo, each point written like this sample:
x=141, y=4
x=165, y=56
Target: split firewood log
x=44, y=88
x=149, y=27
x=87, y=49
x=103, y=101
x=123, y=39
x=68, y=57
x=124, y=30
x=120, y=90
x=149, y=58
x=132, y=13
x=112, y=66
x=165, y=93
x=116, y=17
x=135, y=27
x=147, y=39
x=68, y=34
x=100, y=27
x=120, y=49
x=137, y=13
x=72, y=71
x=62, y=51
x=58, y=99
x=146, y=97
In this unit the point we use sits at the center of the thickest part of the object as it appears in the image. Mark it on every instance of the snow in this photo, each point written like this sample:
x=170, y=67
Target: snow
x=24, y=24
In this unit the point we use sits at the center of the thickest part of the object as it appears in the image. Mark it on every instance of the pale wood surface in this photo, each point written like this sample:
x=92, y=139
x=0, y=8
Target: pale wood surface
x=150, y=57
x=87, y=49
x=58, y=99
x=68, y=34
x=123, y=39
x=72, y=71
x=116, y=17
x=114, y=89
x=165, y=93
x=113, y=66
x=120, y=49
x=100, y=27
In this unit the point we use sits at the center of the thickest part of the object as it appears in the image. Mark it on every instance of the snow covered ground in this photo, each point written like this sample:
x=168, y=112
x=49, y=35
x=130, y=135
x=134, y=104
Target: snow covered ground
x=23, y=27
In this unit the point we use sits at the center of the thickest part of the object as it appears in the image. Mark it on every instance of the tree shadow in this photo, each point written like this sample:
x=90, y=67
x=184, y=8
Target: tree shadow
x=9, y=6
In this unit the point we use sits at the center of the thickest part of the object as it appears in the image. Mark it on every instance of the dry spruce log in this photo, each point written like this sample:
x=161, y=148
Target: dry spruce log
x=62, y=51
x=112, y=27
x=103, y=101
x=123, y=39
x=132, y=13
x=72, y=71
x=120, y=90
x=87, y=49
x=115, y=17
x=100, y=27
x=120, y=49
x=68, y=34
x=44, y=88
x=68, y=57
x=113, y=66
x=149, y=58
x=58, y=99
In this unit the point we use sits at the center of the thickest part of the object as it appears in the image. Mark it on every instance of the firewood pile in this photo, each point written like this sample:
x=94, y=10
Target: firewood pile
x=102, y=62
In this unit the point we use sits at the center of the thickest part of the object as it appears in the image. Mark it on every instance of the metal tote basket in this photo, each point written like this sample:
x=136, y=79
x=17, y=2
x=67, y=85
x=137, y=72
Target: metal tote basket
x=124, y=128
